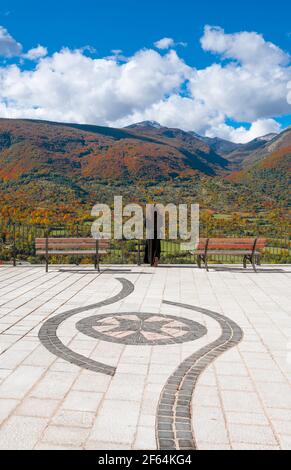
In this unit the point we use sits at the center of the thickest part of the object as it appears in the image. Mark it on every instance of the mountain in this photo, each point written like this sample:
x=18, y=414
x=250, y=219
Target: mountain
x=144, y=125
x=235, y=153
x=221, y=146
x=267, y=169
x=268, y=137
x=183, y=141
x=41, y=148
x=280, y=141
x=238, y=154
x=66, y=167
x=270, y=176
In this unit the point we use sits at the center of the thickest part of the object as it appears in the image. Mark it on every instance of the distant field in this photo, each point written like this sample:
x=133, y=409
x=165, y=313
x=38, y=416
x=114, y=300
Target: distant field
x=222, y=216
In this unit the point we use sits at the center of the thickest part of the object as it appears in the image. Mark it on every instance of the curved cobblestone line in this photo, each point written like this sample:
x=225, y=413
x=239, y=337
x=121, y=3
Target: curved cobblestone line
x=173, y=420
x=48, y=333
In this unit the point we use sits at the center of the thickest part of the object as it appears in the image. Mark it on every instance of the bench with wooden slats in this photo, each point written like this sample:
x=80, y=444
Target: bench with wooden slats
x=71, y=246
x=249, y=248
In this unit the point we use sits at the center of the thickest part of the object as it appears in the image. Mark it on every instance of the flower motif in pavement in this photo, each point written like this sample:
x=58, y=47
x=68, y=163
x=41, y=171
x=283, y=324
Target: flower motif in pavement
x=141, y=328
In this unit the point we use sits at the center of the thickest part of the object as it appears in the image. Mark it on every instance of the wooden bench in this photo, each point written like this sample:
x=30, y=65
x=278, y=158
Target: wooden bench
x=249, y=248
x=71, y=246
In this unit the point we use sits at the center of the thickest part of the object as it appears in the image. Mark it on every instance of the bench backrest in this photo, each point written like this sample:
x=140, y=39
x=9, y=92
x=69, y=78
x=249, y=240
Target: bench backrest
x=232, y=243
x=70, y=244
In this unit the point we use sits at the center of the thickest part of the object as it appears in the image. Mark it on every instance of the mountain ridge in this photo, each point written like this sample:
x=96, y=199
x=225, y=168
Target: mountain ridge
x=28, y=145
x=69, y=165
x=237, y=154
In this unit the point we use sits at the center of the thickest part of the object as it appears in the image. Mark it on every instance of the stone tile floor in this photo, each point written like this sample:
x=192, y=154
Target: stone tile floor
x=52, y=396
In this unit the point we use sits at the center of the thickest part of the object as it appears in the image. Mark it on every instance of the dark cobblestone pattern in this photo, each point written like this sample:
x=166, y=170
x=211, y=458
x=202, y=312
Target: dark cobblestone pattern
x=48, y=333
x=138, y=328
x=173, y=420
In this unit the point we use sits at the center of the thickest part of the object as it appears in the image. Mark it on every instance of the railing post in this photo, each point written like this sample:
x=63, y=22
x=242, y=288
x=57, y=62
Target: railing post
x=14, y=244
x=122, y=251
x=97, y=255
x=138, y=253
x=46, y=250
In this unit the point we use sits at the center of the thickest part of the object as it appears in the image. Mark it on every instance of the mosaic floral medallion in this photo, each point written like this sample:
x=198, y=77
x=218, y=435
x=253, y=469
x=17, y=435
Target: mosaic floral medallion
x=141, y=328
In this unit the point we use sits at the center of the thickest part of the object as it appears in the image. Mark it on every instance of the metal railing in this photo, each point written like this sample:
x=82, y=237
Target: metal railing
x=17, y=244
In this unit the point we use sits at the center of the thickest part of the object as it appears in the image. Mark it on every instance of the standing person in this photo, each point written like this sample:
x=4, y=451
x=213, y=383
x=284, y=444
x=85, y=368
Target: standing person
x=153, y=246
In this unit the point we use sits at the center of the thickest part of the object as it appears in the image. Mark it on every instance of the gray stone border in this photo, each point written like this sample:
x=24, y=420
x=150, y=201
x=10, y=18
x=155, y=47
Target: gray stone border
x=173, y=419
x=194, y=330
x=48, y=333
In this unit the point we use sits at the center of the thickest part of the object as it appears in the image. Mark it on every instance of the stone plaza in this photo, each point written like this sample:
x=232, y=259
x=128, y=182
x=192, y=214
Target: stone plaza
x=136, y=357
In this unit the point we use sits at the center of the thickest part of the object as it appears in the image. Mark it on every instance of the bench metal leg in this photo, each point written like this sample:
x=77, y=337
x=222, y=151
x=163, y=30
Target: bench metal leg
x=206, y=264
x=253, y=261
x=97, y=263
x=205, y=261
x=199, y=261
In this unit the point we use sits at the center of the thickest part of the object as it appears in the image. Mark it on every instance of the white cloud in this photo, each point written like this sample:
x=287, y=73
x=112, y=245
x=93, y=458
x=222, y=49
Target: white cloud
x=167, y=43
x=73, y=87
x=9, y=47
x=178, y=111
x=242, y=93
x=251, y=86
x=249, y=48
x=258, y=128
x=164, y=43
x=36, y=53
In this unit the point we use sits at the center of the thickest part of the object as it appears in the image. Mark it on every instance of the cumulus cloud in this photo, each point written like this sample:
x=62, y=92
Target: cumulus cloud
x=167, y=43
x=71, y=86
x=240, y=134
x=164, y=43
x=9, y=47
x=178, y=111
x=241, y=93
x=36, y=53
x=252, y=85
x=249, y=48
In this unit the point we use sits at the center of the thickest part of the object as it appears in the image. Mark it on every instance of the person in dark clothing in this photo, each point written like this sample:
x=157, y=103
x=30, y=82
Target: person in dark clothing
x=153, y=246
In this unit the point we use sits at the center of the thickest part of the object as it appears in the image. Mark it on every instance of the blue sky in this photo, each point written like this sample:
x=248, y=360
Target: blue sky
x=131, y=27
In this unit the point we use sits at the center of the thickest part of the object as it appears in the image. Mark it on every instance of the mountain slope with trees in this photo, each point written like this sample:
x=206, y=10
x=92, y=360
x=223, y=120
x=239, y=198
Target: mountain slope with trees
x=68, y=167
